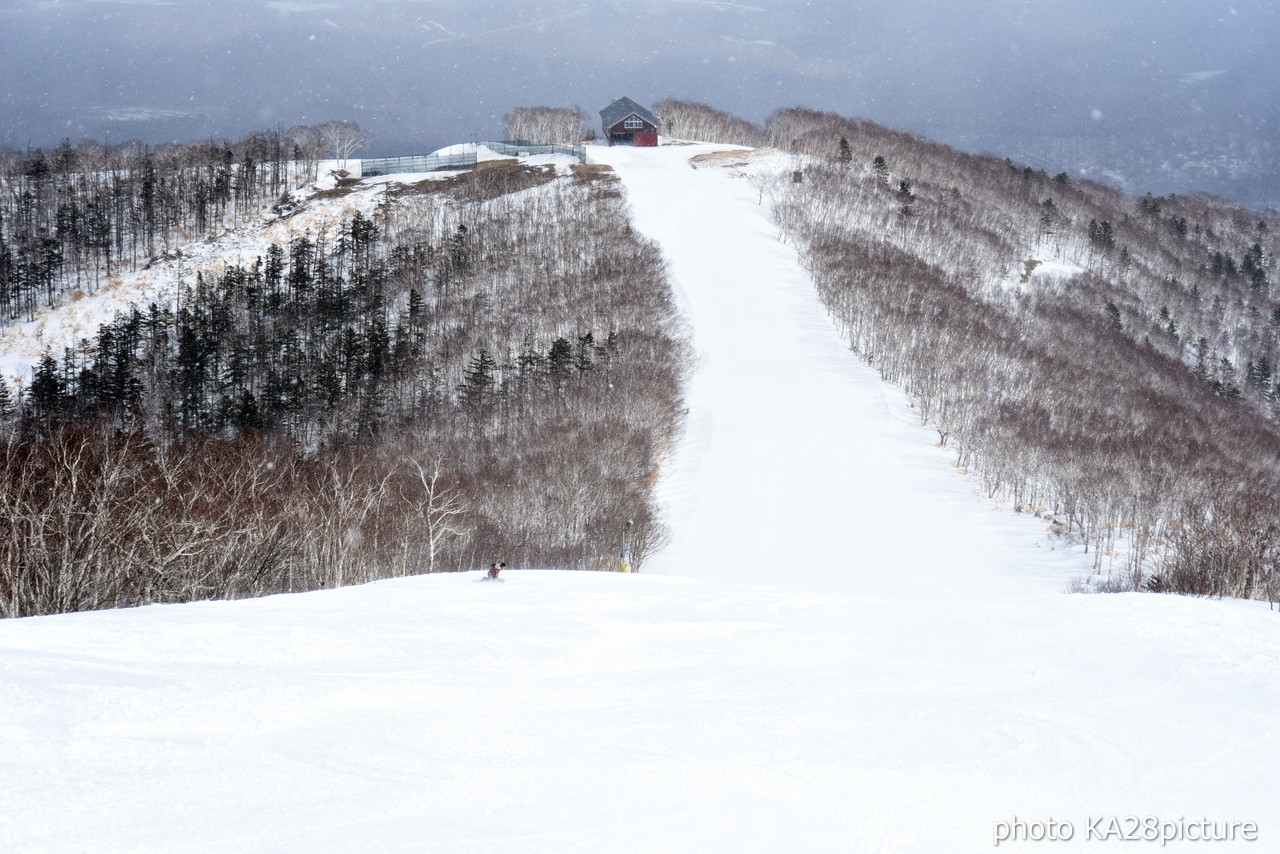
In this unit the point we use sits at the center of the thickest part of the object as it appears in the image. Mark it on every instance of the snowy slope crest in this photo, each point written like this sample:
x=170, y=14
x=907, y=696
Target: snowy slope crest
x=620, y=713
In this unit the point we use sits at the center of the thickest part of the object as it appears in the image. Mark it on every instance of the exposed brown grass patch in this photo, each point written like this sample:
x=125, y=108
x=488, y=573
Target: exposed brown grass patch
x=424, y=187
x=344, y=187
x=502, y=163
x=727, y=159
x=592, y=170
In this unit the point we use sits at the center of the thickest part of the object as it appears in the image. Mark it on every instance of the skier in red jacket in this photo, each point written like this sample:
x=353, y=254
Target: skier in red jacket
x=495, y=568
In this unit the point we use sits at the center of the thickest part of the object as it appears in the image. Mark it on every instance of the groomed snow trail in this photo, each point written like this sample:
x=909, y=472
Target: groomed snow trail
x=800, y=466
x=900, y=678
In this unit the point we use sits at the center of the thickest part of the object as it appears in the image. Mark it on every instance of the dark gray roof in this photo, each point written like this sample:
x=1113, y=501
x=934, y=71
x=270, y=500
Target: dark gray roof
x=623, y=107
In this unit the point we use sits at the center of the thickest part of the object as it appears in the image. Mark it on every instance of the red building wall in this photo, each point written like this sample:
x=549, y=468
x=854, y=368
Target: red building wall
x=647, y=136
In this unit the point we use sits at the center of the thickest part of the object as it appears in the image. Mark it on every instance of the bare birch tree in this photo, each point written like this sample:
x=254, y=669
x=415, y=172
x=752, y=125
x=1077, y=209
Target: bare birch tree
x=546, y=125
x=433, y=505
x=344, y=138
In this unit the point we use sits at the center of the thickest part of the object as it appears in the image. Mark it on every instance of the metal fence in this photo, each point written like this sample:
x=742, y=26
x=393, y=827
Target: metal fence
x=523, y=148
x=463, y=160
x=418, y=163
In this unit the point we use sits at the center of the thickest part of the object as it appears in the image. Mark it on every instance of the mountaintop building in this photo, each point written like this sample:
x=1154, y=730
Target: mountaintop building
x=627, y=123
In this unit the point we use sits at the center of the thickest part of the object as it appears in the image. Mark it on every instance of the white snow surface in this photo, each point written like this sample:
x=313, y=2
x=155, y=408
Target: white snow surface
x=482, y=152
x=843, y=649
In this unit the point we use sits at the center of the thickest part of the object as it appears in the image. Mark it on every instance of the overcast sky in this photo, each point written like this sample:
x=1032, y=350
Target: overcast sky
x=1063, y=83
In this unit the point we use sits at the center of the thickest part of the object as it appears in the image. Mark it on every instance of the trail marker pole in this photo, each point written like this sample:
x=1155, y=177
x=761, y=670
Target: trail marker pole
x=622, y=552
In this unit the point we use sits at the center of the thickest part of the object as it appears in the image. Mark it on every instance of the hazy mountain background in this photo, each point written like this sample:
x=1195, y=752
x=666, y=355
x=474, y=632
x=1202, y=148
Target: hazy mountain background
x=1150, y=95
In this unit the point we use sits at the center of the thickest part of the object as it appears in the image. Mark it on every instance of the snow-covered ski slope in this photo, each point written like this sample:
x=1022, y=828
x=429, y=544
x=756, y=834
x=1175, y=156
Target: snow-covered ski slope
x=800, y=466
x=843, y=650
